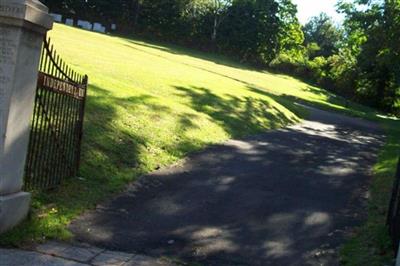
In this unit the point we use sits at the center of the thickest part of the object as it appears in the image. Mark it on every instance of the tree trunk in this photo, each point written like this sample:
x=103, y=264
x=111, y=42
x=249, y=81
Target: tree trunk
x=381, y=87
x=215, y=29
x=137, y=11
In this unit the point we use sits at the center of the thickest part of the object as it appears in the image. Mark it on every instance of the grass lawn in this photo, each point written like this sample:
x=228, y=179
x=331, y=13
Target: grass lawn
x=150, y=105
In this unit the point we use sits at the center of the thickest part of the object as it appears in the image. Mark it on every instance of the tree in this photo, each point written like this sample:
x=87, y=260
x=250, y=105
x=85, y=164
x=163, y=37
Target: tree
x=322, y=31
x=219, y=11
x=373, y=33
x=291, y=36
x=75, y=8
x=251, y=30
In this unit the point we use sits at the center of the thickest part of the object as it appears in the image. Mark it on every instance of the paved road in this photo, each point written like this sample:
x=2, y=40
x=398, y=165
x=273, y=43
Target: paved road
x=286, y=197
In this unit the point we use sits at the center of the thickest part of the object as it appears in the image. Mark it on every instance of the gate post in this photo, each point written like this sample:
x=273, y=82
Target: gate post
x=23, y=25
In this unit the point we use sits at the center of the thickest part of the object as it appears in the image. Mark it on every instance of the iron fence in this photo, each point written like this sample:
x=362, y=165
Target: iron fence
x=57, y=122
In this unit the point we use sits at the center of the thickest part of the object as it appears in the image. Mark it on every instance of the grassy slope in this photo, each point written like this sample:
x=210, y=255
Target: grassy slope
x=150, y=105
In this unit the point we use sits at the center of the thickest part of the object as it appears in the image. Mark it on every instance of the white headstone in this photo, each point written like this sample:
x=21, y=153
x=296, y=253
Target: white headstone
x=81, y=23
x=84, y=24
x=98, y=27
x=56, y=17
x=113, y=26
x=69, y=21
x=23, y=23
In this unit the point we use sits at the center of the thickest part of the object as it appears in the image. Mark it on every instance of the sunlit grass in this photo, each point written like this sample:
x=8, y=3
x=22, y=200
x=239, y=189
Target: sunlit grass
x=150, y=105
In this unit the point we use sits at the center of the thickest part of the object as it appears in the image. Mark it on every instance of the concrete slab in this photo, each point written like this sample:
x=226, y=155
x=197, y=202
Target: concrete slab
x=75, y=254
x=13, y=257
x=110, y=258
x=140, y=260
x=72, y=252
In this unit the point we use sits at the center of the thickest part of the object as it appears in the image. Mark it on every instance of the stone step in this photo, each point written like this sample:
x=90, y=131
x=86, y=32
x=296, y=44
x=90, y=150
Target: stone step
x=76, y=254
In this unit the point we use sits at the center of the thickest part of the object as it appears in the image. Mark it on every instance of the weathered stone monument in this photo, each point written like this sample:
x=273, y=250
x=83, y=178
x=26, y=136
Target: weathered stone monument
x=23, y=24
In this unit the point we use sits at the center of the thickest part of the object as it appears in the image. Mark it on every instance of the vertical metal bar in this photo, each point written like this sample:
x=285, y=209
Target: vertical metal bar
x=85, y=83
x=57, y=174
x=63, y=129
x=73, y=130
x=81, y=119
x=43, y=101
x=55, y=158
x=77, y=130
x=47, y=113
x=41, y=98
x=76, y=103
x=46, y=166
x=33, y=133
x=33, y=138
x=70, y=130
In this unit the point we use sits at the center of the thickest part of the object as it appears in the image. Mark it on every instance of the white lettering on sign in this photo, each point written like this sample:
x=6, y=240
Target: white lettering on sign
x=62, y=86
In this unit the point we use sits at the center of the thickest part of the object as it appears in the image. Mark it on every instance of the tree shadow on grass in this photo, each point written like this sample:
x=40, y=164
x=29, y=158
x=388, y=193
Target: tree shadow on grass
x=338, y=104
x=343, y=104
x=238, y=116
x=350, y=106
x=108, y=147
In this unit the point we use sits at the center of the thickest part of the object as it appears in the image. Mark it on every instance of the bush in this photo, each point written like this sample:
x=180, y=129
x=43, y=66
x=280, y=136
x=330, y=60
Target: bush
x=336, y=73
x=300, y=66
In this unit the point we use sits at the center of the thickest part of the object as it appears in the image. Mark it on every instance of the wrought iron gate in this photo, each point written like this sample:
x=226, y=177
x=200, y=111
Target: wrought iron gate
x=56, y=130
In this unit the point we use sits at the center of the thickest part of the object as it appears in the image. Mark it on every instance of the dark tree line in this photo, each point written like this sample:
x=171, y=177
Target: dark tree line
x=360, y=60
x=250, y=30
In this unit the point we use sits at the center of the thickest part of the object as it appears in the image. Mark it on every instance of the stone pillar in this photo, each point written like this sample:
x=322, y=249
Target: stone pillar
x=23, y=24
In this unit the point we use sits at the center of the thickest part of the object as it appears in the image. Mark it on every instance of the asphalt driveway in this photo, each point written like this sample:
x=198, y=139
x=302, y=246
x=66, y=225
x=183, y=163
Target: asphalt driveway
x=285, y=197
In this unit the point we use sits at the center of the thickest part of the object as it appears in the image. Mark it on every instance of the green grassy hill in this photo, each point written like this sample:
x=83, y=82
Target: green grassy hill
x=150, y=105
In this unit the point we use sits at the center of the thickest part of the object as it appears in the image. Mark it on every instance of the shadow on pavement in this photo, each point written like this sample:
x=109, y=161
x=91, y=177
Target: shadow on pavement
x=285, y=197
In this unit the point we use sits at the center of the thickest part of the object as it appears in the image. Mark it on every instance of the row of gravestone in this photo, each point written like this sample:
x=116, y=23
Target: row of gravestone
x=98, y=27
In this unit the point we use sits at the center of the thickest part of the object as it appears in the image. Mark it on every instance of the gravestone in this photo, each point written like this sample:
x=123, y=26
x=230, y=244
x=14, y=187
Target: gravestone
x=69, y=22
x=113, y=26
x=56, y=17
x=84, y=24
x=99, y=28
x=23, y=24
x=81, y=23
